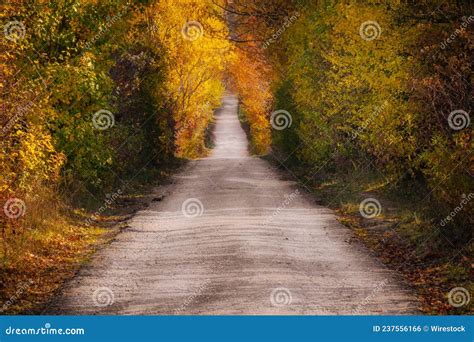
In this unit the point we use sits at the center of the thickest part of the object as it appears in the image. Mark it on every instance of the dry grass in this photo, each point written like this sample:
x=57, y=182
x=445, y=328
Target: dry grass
x=37, y=259
x=47, y=245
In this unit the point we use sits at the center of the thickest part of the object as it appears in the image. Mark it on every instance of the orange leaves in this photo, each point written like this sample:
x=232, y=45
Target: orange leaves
x=251, y=77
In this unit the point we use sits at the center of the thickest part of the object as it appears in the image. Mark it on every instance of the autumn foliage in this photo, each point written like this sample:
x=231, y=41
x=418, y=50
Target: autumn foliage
x=250, y=76
x=95, y=92
x=376, y=85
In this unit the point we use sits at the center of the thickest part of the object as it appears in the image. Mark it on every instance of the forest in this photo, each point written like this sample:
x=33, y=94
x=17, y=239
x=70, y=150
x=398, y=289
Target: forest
x=354, y=98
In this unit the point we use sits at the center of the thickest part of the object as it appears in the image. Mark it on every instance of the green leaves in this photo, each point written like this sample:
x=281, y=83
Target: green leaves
x=373, y=85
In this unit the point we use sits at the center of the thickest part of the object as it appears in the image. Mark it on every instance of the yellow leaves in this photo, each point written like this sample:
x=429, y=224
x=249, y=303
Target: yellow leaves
x=196, y=54
x=38, y=158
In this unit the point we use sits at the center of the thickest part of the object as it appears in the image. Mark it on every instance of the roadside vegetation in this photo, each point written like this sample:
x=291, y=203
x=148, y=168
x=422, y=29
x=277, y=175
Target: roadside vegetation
x=360, y=100
x=373, y=101
x=96, y=97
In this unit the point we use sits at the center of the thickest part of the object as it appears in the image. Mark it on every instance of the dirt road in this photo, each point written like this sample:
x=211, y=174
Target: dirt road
x=232, y=236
